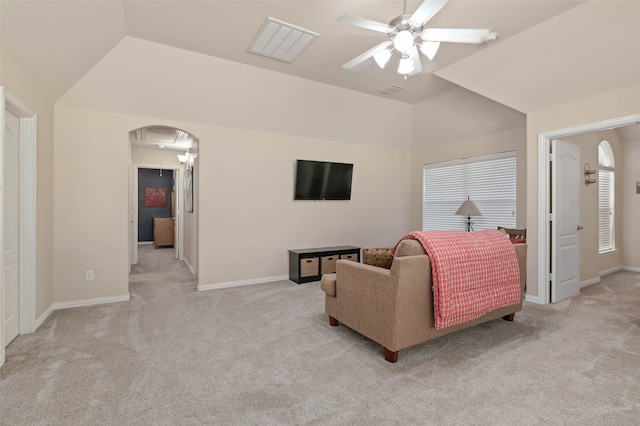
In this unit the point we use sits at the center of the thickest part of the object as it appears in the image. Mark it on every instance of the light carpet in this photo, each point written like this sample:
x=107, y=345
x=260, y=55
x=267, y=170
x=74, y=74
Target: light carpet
x=265, y=354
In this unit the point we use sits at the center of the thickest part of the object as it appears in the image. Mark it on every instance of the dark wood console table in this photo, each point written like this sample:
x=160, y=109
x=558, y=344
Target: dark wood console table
x=306, y=265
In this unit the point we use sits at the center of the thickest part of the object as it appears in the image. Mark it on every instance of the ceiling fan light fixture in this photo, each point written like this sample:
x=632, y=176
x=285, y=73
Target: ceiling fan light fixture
x=430, y=48
x=406, y=65
x=382, y=57
x=403, y=41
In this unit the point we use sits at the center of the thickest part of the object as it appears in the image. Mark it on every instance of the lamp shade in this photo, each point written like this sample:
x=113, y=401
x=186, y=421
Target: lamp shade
x=406, y=65
x=468, y=208
x=382, y=57
x=430, y=48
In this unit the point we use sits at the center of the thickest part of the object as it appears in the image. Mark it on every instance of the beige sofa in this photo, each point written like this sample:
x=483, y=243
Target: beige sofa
x=394, y=307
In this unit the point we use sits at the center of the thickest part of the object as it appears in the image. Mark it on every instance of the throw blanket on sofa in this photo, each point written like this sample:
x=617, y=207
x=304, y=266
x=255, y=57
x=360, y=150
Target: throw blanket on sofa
x=473, y=273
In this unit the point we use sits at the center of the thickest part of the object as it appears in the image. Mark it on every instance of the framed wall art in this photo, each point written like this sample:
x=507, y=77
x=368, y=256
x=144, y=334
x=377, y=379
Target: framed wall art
x=188, y=190
x=155, y=197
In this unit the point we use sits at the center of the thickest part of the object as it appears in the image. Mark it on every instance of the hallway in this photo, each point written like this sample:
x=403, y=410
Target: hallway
x=159, y=268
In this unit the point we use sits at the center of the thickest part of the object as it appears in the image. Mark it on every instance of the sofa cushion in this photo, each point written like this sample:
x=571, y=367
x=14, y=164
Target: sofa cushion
x=328, y=284
x=410, y=248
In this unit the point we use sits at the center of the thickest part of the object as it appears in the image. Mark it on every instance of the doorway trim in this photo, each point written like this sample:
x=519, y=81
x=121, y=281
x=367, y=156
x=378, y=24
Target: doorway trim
x=544, y=190
x=134, y=202
x=27, y=141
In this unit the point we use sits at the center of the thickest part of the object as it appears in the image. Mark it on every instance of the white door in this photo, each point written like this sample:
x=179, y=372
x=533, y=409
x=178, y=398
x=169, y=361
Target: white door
x=11, y=219
x=565, y=204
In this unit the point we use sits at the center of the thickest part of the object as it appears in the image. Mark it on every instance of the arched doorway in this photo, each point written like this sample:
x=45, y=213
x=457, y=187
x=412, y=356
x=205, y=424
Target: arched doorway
x=162, y=151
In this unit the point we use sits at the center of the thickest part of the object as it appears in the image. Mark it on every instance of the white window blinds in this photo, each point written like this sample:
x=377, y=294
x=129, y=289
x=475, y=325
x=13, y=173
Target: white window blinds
x=489, y=181
x=606, y=204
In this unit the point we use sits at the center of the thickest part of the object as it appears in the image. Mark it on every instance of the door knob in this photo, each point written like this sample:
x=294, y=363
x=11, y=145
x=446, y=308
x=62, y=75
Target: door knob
x=580, y=228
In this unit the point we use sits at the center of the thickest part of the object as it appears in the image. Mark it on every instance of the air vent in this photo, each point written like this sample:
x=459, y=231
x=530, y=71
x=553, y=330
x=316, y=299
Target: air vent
x=391, y=89
x=281, y=41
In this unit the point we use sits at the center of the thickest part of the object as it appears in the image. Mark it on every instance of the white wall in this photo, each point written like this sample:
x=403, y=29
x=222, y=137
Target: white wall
x=248, y=218
x=605, y=106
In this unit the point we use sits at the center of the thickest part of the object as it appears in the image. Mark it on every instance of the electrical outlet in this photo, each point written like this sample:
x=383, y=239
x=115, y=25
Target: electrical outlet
x=88, y=275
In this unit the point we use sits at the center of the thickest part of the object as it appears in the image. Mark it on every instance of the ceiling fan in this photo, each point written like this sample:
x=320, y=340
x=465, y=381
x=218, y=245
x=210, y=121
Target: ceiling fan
x=408, y=35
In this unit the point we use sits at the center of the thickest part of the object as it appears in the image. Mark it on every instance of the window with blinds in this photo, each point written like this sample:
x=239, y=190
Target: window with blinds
x=606, y=198
x=606, y=192
x=488, y=181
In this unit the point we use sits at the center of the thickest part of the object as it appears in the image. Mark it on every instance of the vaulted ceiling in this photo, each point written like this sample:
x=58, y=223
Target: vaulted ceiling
x=547, y=52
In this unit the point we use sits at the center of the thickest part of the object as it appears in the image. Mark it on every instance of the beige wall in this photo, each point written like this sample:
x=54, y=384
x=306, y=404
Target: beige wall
x=510, y=140
x=248, y=216
x=91, y=205
x=16, y=81
x=593, y=263
x=610, y=105
x=193, y=87
x=155, y=156
x=630, y=227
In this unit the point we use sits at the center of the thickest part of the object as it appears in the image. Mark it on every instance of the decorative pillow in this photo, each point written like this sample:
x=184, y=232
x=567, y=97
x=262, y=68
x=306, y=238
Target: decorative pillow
x=380, y=257
x=410, y=248
x=517, y=240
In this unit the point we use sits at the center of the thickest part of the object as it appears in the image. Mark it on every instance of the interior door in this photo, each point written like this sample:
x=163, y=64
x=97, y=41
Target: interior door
x=565, y=236
x=175, y=213
x=11, y=226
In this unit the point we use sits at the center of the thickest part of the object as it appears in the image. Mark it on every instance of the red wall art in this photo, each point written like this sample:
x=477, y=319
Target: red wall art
x=155, y=197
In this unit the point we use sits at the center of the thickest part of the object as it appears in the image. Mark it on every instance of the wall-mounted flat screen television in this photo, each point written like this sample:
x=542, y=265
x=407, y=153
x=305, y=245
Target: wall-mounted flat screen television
x=321, y=180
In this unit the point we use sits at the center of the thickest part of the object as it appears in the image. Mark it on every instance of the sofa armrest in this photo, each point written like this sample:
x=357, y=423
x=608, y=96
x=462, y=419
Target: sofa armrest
x=383, y=304
x=366, y=300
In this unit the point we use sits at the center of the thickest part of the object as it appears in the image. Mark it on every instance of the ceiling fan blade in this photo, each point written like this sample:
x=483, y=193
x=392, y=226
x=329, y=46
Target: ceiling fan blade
x=426, y=11
x=457, y=35
x=365, y=23
x=366, y=55
x=417, y=64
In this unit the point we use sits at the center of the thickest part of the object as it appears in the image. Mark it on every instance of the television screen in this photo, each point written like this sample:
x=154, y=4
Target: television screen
x=319, y=180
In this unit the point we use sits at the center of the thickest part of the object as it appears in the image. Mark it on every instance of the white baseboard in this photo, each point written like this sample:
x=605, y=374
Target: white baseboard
x=145, y=243
x=43, y=317
x=90, y=302
x=589, y=282
x=191, y=268
x=610, y=270
x=204, y=287
x=630, y=268
x=532, y=299
x=77, y=303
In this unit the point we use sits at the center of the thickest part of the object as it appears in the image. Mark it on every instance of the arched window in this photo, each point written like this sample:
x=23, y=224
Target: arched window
x=606, y=198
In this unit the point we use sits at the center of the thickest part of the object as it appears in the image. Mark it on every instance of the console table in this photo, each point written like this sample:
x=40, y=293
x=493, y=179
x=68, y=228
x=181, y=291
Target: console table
x=306, y=265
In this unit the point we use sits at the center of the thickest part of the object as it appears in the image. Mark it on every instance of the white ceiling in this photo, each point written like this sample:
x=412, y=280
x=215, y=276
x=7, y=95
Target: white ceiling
x=547, y=52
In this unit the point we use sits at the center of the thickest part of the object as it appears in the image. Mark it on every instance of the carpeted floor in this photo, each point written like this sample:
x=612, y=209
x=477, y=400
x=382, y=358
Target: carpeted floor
x=265, y=354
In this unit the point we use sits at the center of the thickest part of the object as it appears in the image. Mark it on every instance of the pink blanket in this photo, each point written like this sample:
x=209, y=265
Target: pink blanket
x=473, y=273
